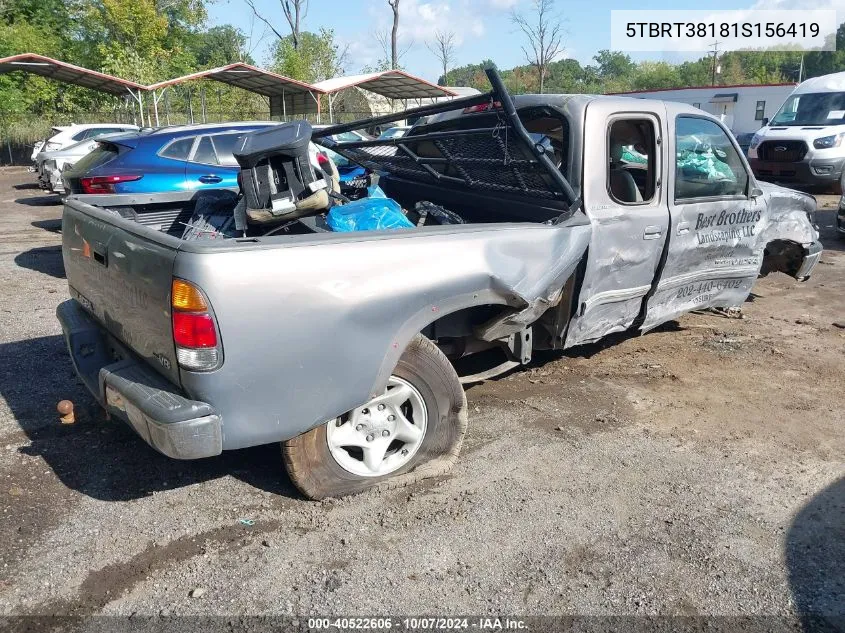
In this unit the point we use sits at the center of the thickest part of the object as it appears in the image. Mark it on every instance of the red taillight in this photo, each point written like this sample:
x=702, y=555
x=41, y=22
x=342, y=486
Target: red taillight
x=105, y=184
x=483, y=107
x=196, y=330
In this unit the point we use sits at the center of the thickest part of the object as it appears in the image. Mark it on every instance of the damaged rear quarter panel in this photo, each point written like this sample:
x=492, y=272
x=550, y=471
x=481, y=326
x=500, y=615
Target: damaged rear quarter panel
x=312, y=326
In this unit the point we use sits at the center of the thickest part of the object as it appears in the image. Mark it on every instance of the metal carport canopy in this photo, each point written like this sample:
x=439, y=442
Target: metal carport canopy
x=393, y=84
x=67, y=73
x=287, y=96
x=76, y=75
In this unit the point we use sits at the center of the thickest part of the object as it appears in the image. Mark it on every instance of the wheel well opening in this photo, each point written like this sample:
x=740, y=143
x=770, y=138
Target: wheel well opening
x=454, y=333
x=783, y=256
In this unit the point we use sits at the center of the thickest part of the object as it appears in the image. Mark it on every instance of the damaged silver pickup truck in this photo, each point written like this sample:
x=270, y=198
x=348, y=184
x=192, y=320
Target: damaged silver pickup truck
x=538, y=222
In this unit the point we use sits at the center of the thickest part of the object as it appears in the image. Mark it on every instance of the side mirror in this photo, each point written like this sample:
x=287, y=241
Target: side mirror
x=755, y=192
x=765, y=121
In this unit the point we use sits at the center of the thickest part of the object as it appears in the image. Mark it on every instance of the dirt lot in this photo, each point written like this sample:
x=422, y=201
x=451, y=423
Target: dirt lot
x=695, y=470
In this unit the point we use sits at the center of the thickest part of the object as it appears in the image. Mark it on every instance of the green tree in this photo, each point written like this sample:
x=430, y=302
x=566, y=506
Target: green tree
x=651, y=75
x=614, y=65
x=318, y=57
x=219, y=46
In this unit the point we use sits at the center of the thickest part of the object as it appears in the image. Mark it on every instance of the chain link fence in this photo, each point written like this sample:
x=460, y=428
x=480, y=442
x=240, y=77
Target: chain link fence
x=18, y=133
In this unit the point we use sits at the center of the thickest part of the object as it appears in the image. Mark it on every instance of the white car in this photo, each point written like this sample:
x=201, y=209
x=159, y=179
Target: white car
x=343, y=137
x=65, y=136
x=52, y=163
x=397, y=131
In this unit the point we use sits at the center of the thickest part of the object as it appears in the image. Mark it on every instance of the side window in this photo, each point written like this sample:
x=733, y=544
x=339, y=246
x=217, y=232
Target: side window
x=706, y=163
x=81, y=136
x=178, y=149
x=632, y=167
x=224, y=145
x=204, y=153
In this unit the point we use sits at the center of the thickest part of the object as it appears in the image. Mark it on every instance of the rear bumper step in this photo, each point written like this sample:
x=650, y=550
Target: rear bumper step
x=165, y=419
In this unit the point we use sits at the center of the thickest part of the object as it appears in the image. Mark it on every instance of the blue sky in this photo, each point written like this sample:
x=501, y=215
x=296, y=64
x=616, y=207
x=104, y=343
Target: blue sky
x=482, y=26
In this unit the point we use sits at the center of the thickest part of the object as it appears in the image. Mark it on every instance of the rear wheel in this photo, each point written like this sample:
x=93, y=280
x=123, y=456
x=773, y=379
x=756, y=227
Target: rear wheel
x=411, y=431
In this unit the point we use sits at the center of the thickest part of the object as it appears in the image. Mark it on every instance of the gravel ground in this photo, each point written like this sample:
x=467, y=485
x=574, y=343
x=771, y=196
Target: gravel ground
x=697, y=470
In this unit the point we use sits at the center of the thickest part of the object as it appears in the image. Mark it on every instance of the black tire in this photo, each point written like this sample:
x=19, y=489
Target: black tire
x=316, y=473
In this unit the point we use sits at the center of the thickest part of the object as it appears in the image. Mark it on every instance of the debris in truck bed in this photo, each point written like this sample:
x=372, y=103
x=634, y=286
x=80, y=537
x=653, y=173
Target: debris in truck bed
x=368, y=214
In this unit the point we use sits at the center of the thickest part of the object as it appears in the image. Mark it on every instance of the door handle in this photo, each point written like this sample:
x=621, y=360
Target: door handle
x=652, y=233
x=210, y=179
x=683, y=227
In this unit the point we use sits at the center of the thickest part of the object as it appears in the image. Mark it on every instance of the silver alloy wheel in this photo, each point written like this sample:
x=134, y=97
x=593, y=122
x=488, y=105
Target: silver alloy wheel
x=382, y=435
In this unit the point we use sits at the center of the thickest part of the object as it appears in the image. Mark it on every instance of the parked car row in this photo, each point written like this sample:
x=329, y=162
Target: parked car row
x=103, y=158
x=67, y=145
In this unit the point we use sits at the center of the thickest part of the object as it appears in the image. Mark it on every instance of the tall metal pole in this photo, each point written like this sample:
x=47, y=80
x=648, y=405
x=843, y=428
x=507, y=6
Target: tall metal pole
x=715, y=46
x=141, y=107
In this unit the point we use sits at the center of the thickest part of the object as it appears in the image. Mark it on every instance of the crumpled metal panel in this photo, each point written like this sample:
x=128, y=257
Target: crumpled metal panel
x=312, y=326
x=716, y=260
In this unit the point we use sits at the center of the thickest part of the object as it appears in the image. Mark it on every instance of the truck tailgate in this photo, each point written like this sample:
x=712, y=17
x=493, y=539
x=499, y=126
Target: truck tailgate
x=121, y=272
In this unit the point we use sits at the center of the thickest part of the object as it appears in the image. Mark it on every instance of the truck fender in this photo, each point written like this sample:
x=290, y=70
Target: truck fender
x=523, y=307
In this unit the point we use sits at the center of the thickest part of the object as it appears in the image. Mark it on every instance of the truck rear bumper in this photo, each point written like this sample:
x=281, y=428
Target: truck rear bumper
x=129, y=389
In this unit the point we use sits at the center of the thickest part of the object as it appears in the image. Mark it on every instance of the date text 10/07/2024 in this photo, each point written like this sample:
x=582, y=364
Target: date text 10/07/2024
x=418, y=624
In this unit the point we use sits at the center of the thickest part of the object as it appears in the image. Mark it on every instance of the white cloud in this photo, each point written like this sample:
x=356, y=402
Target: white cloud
x=419, y=20
x=503, y=4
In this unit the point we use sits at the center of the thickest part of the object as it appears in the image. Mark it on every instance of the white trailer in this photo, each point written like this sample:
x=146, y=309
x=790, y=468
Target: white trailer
x=744, y=108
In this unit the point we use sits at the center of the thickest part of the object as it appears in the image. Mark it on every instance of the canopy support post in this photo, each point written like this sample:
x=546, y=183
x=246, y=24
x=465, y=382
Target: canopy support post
x=140, y=101
x=284, y=107
x=156, y=98
x=317, y=101
x=331, y=111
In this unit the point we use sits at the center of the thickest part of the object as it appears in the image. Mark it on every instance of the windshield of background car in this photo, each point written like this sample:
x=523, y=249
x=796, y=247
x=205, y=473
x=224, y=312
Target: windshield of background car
x=815, y=108
x=347, y=137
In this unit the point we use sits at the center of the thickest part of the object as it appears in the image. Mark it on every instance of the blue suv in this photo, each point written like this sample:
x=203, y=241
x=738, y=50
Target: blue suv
x=182, y=158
